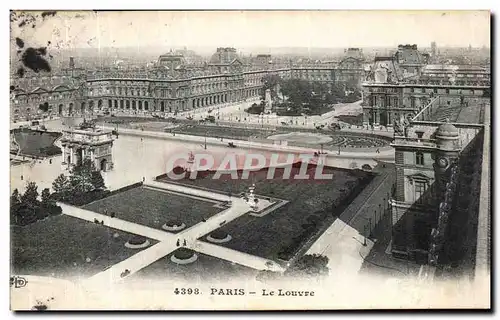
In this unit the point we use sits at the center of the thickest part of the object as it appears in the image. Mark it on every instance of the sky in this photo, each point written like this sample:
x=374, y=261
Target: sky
x=245, y=29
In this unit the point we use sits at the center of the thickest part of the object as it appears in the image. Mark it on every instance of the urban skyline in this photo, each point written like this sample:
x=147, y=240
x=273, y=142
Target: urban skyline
x=88, y=29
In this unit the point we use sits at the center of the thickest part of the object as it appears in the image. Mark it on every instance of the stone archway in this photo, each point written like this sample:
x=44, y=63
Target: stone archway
x=60, y=109
x=70, y=109
x=103, y=165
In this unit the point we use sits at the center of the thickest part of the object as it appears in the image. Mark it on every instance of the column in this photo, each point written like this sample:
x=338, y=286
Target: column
x=70, y=156
x=63, y=155
x=377, y=117
x=366, y=117
x=389, y=119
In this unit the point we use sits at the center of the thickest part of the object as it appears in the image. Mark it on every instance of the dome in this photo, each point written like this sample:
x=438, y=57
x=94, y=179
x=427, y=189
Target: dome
x=447, y=130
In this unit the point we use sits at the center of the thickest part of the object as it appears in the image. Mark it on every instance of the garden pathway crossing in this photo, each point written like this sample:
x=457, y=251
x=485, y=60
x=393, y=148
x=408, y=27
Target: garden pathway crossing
x=168, y=240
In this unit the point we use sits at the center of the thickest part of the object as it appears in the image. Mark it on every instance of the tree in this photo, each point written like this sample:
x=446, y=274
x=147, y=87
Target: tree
x=310, y=265
x=61, y=184
x=30, y=195
x=15, y=198
x=366, y=167
x=81, y=177
x=44, y=107
x=298, y=91
x=97, y=180
x=269, y=82
x=46, y=200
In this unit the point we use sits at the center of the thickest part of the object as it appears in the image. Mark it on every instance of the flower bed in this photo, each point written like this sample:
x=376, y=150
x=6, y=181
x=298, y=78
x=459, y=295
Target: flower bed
x=184, y=256
x=219, y=236
x=137, y=242
x=173, y=225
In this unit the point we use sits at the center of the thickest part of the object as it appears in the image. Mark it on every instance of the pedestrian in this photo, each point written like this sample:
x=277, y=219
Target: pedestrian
x=22, y=177
x=185, y=243
x=378, y=150
x=178, y=242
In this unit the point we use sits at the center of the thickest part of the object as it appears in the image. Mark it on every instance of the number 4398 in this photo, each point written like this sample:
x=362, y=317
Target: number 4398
x=187, y=291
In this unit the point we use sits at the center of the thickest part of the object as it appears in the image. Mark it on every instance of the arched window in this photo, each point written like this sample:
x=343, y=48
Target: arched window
x=419, y=158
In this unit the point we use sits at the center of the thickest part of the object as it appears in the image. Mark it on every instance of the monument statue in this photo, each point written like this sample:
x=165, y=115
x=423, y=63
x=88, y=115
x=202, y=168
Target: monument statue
x=268, y=102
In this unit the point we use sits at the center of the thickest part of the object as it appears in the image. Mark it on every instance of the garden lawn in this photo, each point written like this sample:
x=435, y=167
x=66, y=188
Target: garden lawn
x=59, y=246
x=37, y=143
x=320, y=201
x=205, y=268
x=153, y=208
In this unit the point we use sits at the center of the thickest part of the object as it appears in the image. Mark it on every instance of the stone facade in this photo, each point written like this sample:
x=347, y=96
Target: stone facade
x=171, y=86
x=425, y=151
x=398, y=87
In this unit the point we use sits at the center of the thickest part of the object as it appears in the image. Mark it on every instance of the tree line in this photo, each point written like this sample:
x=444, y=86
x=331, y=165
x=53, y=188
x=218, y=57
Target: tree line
x=304, y=96
x=83, y=185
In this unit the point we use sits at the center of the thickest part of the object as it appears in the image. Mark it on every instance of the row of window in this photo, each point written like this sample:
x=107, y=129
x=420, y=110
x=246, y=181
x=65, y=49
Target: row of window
x=37, y=98
x=459, y=75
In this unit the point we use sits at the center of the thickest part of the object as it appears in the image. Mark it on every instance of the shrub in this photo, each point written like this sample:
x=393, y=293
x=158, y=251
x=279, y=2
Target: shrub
x=309, y=265
x=81, y=198
x=172, y=223
x=255, y=109
x=183, y=253
x=218, y=234
x=137, y=240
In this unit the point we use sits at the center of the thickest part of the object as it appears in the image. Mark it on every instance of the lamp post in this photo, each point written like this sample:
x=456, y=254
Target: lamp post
x=205, y=141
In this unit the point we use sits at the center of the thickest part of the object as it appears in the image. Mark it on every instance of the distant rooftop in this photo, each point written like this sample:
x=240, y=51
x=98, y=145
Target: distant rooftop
x=451, y=67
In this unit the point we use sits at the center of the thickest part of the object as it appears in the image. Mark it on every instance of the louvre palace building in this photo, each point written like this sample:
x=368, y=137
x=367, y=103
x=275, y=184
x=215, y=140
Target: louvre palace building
x=173, y=84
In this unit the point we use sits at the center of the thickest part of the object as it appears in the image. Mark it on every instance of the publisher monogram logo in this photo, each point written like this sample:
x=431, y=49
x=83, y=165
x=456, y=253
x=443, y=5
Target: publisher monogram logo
x=18, y=282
